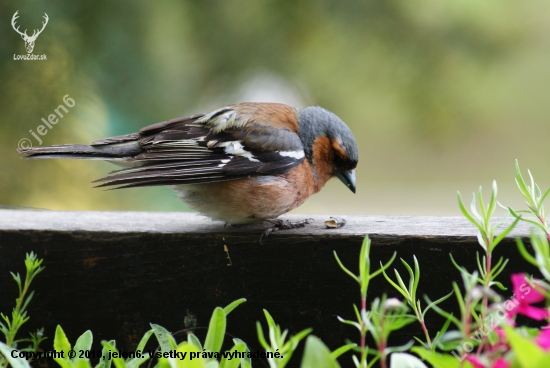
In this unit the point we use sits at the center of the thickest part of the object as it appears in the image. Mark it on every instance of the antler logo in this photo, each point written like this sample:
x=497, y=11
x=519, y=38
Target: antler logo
x=29, y=40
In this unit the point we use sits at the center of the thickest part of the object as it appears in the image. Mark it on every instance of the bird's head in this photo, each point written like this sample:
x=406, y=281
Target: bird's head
x=329, y=145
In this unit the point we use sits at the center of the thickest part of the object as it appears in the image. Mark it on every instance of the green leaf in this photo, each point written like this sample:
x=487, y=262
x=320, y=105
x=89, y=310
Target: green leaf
x=83, y=343
x=392, y=283
x=344, y=267
x=17, y=279
x=60, y=341
x=233, y=361
x=415, y=277
x=233, y=305
x=216, y=331
x=348, y=322
x=404, y=360
x=64, y=362
x=212, y=364
x=432, y=304
x=165, y=363
x=118, y=362
x=528, y=353
x=403, y=287
x=520, y=182
x=441, y=360
x=448, y=341
x=105, y=361
x=27, y=301
x=184, y=347
x=290, y=346
x=443, y=313
x=498, y=284
x=484, y=216
x=165, y=338
x=459, y=299
x=457, y=266
x=14, y=362
x=245, y=362
x=532, y=222
x=300, y=335
x=481, y=267
x=364, y=260
x=342, y=350
x=399, y=349
x=384, y=267
x=82, y=363
x=400, y=321
x=194, y=340
x=528, y=257
x=545, y=195
x=270, y=321
x=492, y=201
x=533, y=187
x=144, y=340
x=261, y=336
x=503, y=234
x=137, y=362
x=499, y=267
x=466, y=213
x=317, y=355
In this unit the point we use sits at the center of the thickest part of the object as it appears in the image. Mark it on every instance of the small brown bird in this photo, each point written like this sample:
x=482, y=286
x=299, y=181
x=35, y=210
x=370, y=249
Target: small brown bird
x=243, y=163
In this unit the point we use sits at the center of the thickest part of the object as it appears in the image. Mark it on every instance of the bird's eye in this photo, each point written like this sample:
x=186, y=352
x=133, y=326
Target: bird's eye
x=338, y=160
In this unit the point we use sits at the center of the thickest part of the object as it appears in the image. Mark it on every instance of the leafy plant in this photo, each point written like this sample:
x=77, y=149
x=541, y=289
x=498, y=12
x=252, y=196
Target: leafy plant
x=488, y=239
x=534, y=200
x=277, y=343
x=13, y=323
x=502, y=344
x=410, y=293
x=381, y=319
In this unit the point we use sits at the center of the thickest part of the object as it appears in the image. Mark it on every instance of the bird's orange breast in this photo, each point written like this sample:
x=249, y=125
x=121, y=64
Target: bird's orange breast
x=252, y=199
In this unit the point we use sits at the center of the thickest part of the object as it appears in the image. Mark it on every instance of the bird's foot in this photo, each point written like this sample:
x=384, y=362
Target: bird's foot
x=235, y=225
x=284, y=225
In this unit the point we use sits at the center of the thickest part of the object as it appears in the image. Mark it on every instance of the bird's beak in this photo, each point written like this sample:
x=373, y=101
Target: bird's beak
x=348, y=178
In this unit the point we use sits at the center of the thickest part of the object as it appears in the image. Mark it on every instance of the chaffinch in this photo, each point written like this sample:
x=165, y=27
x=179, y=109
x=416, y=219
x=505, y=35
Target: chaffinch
x=243, y=163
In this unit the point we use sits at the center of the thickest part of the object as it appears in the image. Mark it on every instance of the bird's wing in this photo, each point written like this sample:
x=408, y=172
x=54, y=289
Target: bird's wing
x=230, y=143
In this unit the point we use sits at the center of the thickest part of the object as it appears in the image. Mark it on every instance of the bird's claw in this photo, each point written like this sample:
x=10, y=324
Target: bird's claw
x=284, y=225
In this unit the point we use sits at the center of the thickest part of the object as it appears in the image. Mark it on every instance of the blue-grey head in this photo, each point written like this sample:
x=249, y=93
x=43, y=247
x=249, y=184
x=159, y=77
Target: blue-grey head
x=329, y=144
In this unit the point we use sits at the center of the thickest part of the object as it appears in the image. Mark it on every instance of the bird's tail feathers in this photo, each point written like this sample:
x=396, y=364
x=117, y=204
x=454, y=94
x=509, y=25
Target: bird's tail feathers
x=84, y=152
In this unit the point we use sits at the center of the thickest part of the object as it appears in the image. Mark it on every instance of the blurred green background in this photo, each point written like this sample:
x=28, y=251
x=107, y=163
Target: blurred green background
x=441, y=95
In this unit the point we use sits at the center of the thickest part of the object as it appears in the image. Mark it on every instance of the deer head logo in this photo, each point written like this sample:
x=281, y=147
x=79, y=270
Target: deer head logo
x=29, y=40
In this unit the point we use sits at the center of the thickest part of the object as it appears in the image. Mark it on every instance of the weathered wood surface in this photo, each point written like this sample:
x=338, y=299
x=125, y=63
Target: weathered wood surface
x=115, y=272
x=188, y=223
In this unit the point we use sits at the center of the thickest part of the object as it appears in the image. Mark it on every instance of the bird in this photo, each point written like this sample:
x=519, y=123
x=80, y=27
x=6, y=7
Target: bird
x=241, y=164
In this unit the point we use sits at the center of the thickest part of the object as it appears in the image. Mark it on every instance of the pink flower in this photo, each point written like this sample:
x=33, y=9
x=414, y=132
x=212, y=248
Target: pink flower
x=543, y=339
x=500, y=333
x=502, y=342
x=524, y=295
x=499, y=363
x=475, y=361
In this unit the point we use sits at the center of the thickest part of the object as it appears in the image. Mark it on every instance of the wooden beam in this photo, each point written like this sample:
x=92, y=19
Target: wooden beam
x=115, y=272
